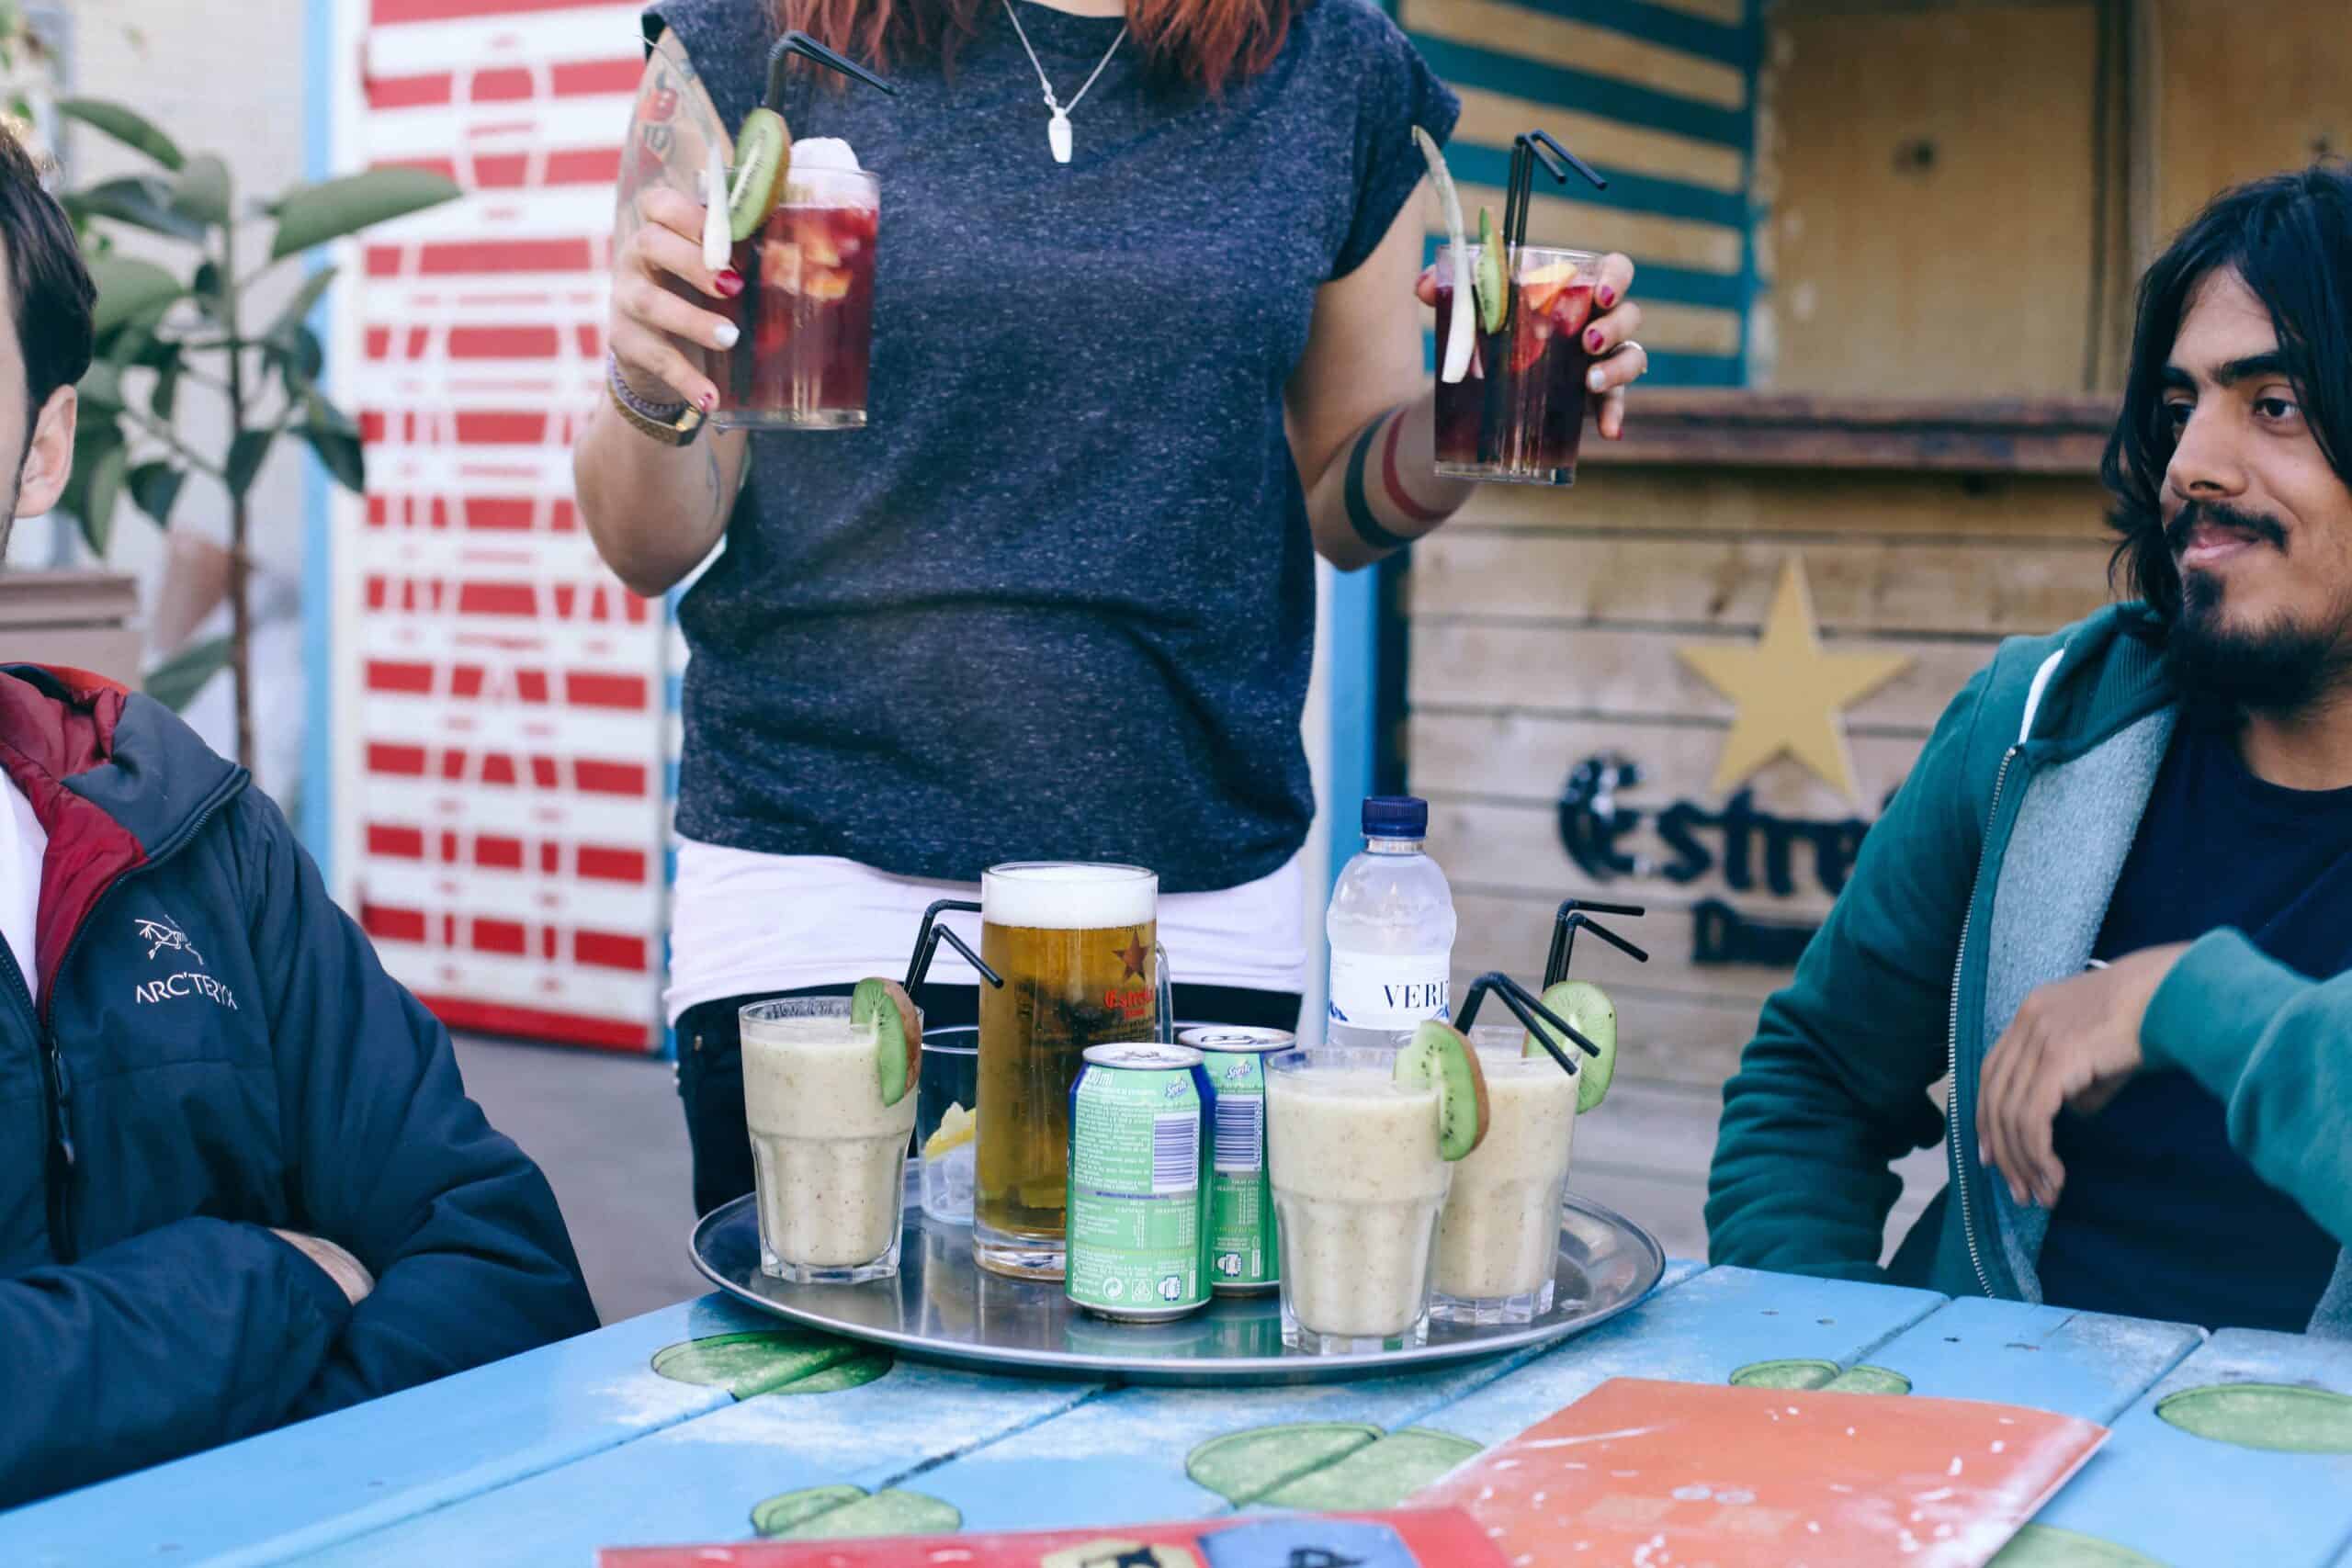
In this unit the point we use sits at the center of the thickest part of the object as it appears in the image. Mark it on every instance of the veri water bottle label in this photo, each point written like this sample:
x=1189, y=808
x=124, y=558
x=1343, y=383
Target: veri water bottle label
x=1390, y=990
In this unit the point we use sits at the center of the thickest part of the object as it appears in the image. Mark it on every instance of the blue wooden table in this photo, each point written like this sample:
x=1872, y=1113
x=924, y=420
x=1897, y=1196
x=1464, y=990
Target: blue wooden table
x=707, y=1422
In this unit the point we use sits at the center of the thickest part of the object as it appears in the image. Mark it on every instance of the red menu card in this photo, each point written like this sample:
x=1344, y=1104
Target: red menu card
x=1695, y=1474
x=1411, y=1538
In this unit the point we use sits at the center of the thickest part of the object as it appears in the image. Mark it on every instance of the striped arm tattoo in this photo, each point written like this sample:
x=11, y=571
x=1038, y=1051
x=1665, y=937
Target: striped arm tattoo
x=1383, y=433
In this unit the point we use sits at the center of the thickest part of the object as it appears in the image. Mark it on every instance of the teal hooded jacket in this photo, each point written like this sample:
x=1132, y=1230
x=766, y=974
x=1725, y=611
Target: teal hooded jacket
x=1989, y=875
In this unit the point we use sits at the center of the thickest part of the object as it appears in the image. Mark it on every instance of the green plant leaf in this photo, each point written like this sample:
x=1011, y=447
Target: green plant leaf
x=143, y=201
x=155, y=487
x=100, y=462
x=101, y=388
x=164, y=398
x=176, y=682
x=344, y=456
x=132, y=129
x=295, y=352
x=246, y=454
x=306, y=298
x=207, y=290
x=128, y=287
x=202, y=191
x=312, y=214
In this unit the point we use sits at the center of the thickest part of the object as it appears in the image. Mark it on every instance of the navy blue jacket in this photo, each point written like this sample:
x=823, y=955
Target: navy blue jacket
x=216, y=1052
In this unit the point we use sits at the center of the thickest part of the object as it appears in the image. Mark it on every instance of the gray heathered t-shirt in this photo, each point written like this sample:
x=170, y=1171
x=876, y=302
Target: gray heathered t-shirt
x=1056, y=599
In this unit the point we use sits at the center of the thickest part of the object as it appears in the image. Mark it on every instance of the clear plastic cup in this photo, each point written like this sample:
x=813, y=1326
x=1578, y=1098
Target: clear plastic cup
x=948, y=1095
x=1518, y=415
x=1358, y=1189
x=828, y=1157
x=806, y=309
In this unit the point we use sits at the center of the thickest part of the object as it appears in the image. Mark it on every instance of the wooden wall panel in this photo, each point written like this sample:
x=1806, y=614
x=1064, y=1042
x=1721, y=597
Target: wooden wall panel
x=1930, y=179
x=1858, y=584
x=2244, y=88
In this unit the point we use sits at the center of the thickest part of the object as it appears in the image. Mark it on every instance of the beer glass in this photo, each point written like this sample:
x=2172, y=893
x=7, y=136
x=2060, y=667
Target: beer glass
x=1077, y=947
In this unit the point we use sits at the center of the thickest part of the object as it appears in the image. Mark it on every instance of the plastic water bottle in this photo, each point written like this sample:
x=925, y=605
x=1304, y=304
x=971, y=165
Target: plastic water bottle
x=1391, y=930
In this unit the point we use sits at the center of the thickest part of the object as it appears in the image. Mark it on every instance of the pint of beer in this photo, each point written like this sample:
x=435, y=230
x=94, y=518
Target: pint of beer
x=1075, y=946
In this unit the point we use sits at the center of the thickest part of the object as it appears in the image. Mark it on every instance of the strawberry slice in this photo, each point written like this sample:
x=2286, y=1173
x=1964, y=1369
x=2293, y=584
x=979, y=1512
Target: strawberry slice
x=1573, y=309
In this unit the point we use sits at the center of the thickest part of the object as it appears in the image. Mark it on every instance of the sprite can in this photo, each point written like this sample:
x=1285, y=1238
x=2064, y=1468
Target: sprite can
x=1138, y=1182
x=1243, y=1258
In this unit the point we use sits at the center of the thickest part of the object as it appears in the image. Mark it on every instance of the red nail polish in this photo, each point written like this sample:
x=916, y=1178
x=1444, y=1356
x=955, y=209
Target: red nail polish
x=1607, y=298
x=1592, y=340
x=709, y=401
x=731, y=283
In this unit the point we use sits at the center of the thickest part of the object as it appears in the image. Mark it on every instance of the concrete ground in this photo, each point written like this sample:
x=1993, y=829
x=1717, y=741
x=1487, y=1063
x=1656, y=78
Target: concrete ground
x=608, y=1131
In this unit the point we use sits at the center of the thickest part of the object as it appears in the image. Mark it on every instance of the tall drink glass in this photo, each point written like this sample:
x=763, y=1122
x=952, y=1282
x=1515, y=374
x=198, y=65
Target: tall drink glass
x=1518, y=416
x=829, y=1158
x=806, y=309
x=1075, y=945
x=1358, y=1187
x=1498, y=1239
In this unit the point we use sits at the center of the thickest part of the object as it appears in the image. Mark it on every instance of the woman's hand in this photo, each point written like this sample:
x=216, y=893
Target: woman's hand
x=1618, y=360
x=658, y=277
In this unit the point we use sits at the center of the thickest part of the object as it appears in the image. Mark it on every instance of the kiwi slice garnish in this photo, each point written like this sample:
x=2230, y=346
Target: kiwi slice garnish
x=1439, y=1054
x=1586, y=1008
x=1493, y=304
x=885, y=1007
x=762, y=153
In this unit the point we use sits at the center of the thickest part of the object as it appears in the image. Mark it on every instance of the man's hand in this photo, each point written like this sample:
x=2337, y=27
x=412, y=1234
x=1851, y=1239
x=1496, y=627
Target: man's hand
x=2074, y=1044
x=345, y=1270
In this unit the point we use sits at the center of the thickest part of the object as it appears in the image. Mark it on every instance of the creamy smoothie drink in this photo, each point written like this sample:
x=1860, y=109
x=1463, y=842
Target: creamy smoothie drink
x=1498, y=1239
x=830, y=1156
x=1358, y=1184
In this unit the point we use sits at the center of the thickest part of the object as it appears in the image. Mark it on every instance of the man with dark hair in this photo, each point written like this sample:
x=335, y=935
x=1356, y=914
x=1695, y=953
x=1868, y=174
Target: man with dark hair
x=240, y=1181
x=2113, y=900
x=49, y=299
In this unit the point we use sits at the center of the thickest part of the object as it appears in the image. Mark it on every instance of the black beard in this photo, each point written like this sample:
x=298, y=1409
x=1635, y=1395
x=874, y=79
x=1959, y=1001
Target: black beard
x=2226, y=672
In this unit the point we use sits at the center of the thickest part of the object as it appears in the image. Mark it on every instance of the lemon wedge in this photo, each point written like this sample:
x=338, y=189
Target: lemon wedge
x=955, y=1129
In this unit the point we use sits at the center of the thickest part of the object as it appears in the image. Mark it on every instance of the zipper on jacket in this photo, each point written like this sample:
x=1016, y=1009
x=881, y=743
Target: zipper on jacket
x=57, y=1095
x=1951, y=1107
x=59, y=1084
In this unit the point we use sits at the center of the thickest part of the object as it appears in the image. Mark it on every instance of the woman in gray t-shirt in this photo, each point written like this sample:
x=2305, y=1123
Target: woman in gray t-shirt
x=1056, y=599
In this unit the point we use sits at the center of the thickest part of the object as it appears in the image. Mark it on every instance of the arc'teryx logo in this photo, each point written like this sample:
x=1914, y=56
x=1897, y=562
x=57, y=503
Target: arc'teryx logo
x=160, y=934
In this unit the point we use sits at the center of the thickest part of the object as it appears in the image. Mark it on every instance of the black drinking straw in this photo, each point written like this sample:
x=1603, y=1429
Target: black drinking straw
x=800, y=43
x=1576, y=914
x=932, y=932
x=1527, y=1009
x=1527, y=150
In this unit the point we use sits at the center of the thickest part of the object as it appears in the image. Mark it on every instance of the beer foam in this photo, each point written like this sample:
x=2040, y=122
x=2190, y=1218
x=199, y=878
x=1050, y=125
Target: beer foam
x=1068, y=897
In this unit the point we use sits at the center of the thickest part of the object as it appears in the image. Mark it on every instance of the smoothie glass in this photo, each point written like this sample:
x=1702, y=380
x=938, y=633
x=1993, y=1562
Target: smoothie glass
x=828, y=1157
x=806, y=309
x=1358, y=1188
x=1498, y=1239
x=1518, y=416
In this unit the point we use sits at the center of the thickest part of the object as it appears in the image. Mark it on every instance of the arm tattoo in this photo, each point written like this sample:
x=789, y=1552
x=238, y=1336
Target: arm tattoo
x=671, y=131
x=714, y=481
x=1360, y=515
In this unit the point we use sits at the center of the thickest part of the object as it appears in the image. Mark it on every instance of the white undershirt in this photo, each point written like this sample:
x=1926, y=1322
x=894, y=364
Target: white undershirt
x=22, y=845
x=742, y=922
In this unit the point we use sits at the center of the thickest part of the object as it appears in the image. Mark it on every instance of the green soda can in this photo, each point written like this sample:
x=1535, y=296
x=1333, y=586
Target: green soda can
x=1243, y=1258
x=1139, y=1183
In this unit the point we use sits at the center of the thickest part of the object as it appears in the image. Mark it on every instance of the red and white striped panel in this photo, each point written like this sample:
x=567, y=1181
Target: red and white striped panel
x=507, y=810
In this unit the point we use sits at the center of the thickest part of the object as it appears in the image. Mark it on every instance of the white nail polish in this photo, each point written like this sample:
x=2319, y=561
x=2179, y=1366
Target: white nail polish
x=726, y=334
x=1593, y=379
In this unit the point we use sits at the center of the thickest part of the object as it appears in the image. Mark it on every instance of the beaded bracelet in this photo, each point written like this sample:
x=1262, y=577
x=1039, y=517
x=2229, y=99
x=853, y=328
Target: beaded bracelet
x=660, y=414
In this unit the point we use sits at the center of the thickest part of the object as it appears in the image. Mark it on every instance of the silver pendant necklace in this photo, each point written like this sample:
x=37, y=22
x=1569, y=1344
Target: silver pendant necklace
x=1058, y=128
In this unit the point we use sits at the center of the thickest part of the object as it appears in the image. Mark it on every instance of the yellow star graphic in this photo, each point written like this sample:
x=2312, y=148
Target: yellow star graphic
x=1790, y=693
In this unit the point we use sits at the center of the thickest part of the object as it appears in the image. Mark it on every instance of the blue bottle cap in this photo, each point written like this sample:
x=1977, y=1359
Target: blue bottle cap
x=1395, y=817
